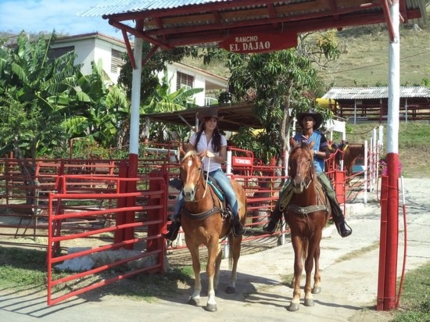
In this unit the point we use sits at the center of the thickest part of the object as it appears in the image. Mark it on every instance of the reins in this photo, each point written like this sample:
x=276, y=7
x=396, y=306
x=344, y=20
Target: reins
x=205, y=183
x=203, y=215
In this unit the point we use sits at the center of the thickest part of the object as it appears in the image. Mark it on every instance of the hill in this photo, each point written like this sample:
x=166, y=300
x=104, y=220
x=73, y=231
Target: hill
x=364, y=57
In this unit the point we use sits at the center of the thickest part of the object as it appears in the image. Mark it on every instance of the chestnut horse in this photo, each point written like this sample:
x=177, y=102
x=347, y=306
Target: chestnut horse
x=306, y=214
x=349, y=153
x=205, y=221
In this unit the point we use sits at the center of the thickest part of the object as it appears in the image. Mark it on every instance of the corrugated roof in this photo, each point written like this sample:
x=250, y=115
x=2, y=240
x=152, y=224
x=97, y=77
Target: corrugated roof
x=338, y=93
x=174, y=23
x=122, y=6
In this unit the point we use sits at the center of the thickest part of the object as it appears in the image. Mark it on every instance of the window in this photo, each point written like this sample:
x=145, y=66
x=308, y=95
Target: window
x=58, y=52
x=184, y=80
x=116, y=61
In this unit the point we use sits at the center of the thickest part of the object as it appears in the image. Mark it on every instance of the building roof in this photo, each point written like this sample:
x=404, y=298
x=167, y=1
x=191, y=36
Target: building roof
x=90, y=35
x=348, y=93
x=234, y=116
x=173, y=23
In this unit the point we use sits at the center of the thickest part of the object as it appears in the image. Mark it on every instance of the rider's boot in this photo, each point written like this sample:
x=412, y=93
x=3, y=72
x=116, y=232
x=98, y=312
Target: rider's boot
x=275, y=216
x=172, y=229
x=238, y=229
x=342, y=227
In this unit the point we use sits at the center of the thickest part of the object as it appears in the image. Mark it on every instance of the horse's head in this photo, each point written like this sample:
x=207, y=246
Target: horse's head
x=191, y=172
x=301, y=166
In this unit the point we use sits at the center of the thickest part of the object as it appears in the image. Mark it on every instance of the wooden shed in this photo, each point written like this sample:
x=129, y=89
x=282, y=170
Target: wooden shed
x=370, y=104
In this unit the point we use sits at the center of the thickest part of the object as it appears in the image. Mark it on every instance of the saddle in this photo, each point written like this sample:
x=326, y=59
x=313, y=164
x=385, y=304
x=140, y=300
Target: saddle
x=216, y=192
x=285, y=204
x=225, y=209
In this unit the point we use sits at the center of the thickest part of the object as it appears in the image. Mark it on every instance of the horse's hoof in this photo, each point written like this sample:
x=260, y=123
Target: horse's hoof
x=293, y=307
x=194, y=302
x=230, y=290
x=309, y=302
x=316, y=290
x=211, y=307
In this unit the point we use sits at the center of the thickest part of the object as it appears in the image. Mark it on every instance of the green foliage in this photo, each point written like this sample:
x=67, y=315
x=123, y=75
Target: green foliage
x=162, y=101
x=155, y=64
x=31, y=87
x=278, y=84
x=22, y=266
x=415, y=301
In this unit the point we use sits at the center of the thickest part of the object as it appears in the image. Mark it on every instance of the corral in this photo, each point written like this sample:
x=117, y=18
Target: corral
x=85, y=203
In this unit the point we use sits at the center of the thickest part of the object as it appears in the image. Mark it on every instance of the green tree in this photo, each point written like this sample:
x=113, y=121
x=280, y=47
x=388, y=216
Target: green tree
x=97, y=111
x=280, y=84
x=163, y=101
x=152, y=66
x=32, y=88
x=32, y=84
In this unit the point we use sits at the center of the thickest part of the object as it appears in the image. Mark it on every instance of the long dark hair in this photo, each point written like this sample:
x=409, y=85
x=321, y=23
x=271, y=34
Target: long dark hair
x=216, y=136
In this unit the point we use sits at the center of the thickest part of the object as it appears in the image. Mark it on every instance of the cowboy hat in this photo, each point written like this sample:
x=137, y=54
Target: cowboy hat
x=318, y=118
x=208, y=113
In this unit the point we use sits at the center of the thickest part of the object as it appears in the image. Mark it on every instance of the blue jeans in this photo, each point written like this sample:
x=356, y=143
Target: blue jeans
x=224, y=182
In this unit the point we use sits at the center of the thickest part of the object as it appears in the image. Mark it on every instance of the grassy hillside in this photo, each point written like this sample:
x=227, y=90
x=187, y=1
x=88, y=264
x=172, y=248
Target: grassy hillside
x=364, y=60
x=364, y=57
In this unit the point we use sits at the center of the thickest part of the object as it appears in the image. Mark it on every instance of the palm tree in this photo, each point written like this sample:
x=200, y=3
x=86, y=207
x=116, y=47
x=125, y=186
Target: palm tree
x=163, y=101
x=98, y=111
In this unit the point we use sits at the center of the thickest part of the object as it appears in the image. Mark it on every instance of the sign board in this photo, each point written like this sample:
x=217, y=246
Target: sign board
x=242, y=161
x=259, y=42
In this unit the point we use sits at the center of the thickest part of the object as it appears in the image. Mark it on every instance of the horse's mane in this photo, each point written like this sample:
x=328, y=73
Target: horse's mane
x=190, y=153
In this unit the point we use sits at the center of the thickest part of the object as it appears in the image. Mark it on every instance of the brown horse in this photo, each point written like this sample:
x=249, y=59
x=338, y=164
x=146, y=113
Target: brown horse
x=205, y=222
x=351, y=152
x=306, y=214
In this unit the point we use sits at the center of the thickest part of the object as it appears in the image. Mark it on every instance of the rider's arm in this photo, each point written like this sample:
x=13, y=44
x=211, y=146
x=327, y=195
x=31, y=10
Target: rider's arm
x=323, y=152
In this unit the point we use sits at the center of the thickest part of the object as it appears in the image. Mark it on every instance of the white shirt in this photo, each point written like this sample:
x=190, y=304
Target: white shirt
x=203, y=145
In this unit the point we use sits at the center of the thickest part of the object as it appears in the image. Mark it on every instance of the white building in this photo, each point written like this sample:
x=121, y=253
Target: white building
x=98, y=47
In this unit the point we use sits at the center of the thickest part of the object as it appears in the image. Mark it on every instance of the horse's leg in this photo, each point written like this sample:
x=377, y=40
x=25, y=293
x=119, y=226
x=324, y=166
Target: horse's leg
x=317, y=277
x=210, y=271
x=217, y=268
x=235, y=247
x=298, y=267
x=309, y=265
x=195, y=297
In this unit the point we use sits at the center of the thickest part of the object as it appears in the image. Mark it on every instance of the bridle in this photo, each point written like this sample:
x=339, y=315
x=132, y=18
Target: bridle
x=310, y=172
x=205, y=183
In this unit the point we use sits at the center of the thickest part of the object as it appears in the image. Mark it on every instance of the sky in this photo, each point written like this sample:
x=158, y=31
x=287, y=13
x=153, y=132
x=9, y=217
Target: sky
x=34, y=16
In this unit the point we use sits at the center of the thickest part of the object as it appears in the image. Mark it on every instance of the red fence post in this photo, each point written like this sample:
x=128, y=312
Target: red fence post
x=130, y=201
x=121, y=202
x=382, y=243
x=340, y=185
x=392, y=231
x=157, y=214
